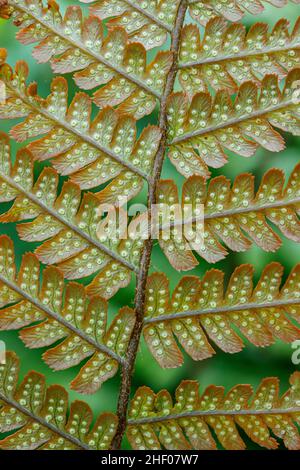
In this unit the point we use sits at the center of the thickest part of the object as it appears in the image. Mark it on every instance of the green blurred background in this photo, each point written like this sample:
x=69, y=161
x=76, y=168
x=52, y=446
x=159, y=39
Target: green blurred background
x=249, y=366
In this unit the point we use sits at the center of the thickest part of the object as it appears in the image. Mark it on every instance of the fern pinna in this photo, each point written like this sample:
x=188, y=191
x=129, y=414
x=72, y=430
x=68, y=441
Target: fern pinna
x=214, y=92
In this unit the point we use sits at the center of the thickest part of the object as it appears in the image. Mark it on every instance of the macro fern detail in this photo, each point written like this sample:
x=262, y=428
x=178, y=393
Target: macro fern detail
x=234, y=215
x=149, y=23
x=200, y=131
x=155, y=420
x=39, y=415
x=200, y=308
x=66, y=224
x=231, y=10
x=120, y=169
x=228, y=56
x=80, y=324
x=67, y=134
x=95, y=60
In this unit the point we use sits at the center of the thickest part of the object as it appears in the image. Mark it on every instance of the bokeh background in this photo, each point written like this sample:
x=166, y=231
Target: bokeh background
x=249, y=366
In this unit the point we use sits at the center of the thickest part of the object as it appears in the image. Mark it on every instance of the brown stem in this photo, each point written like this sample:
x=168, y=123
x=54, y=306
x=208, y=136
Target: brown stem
x=127, y=369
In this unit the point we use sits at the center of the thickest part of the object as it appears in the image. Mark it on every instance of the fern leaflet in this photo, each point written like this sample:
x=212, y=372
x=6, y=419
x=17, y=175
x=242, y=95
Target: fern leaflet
x=228, y=56
x=200, y=131
x=3, y=55
x=154, y=419
x=237, y=87
x=39, y=415
x=72, y=44
x=261, y=313
x=146, y=22
x=77, y=320
x=232, y=10
x=234, y=215
x=66, y=225
x=93, y=153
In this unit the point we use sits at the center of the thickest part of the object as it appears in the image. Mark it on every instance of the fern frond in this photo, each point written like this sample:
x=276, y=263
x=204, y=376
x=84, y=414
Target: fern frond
x=227, y=56
x=80, y=322
x=200, y=132
x=92, y=152
x=147, y=22
x=66, y=224
x=63, y=314
x=232, y=10
x=155, y=421
x=198, y=309
x=38, y=415
x=78, y=234
x=75, y=44
x=236, y=216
